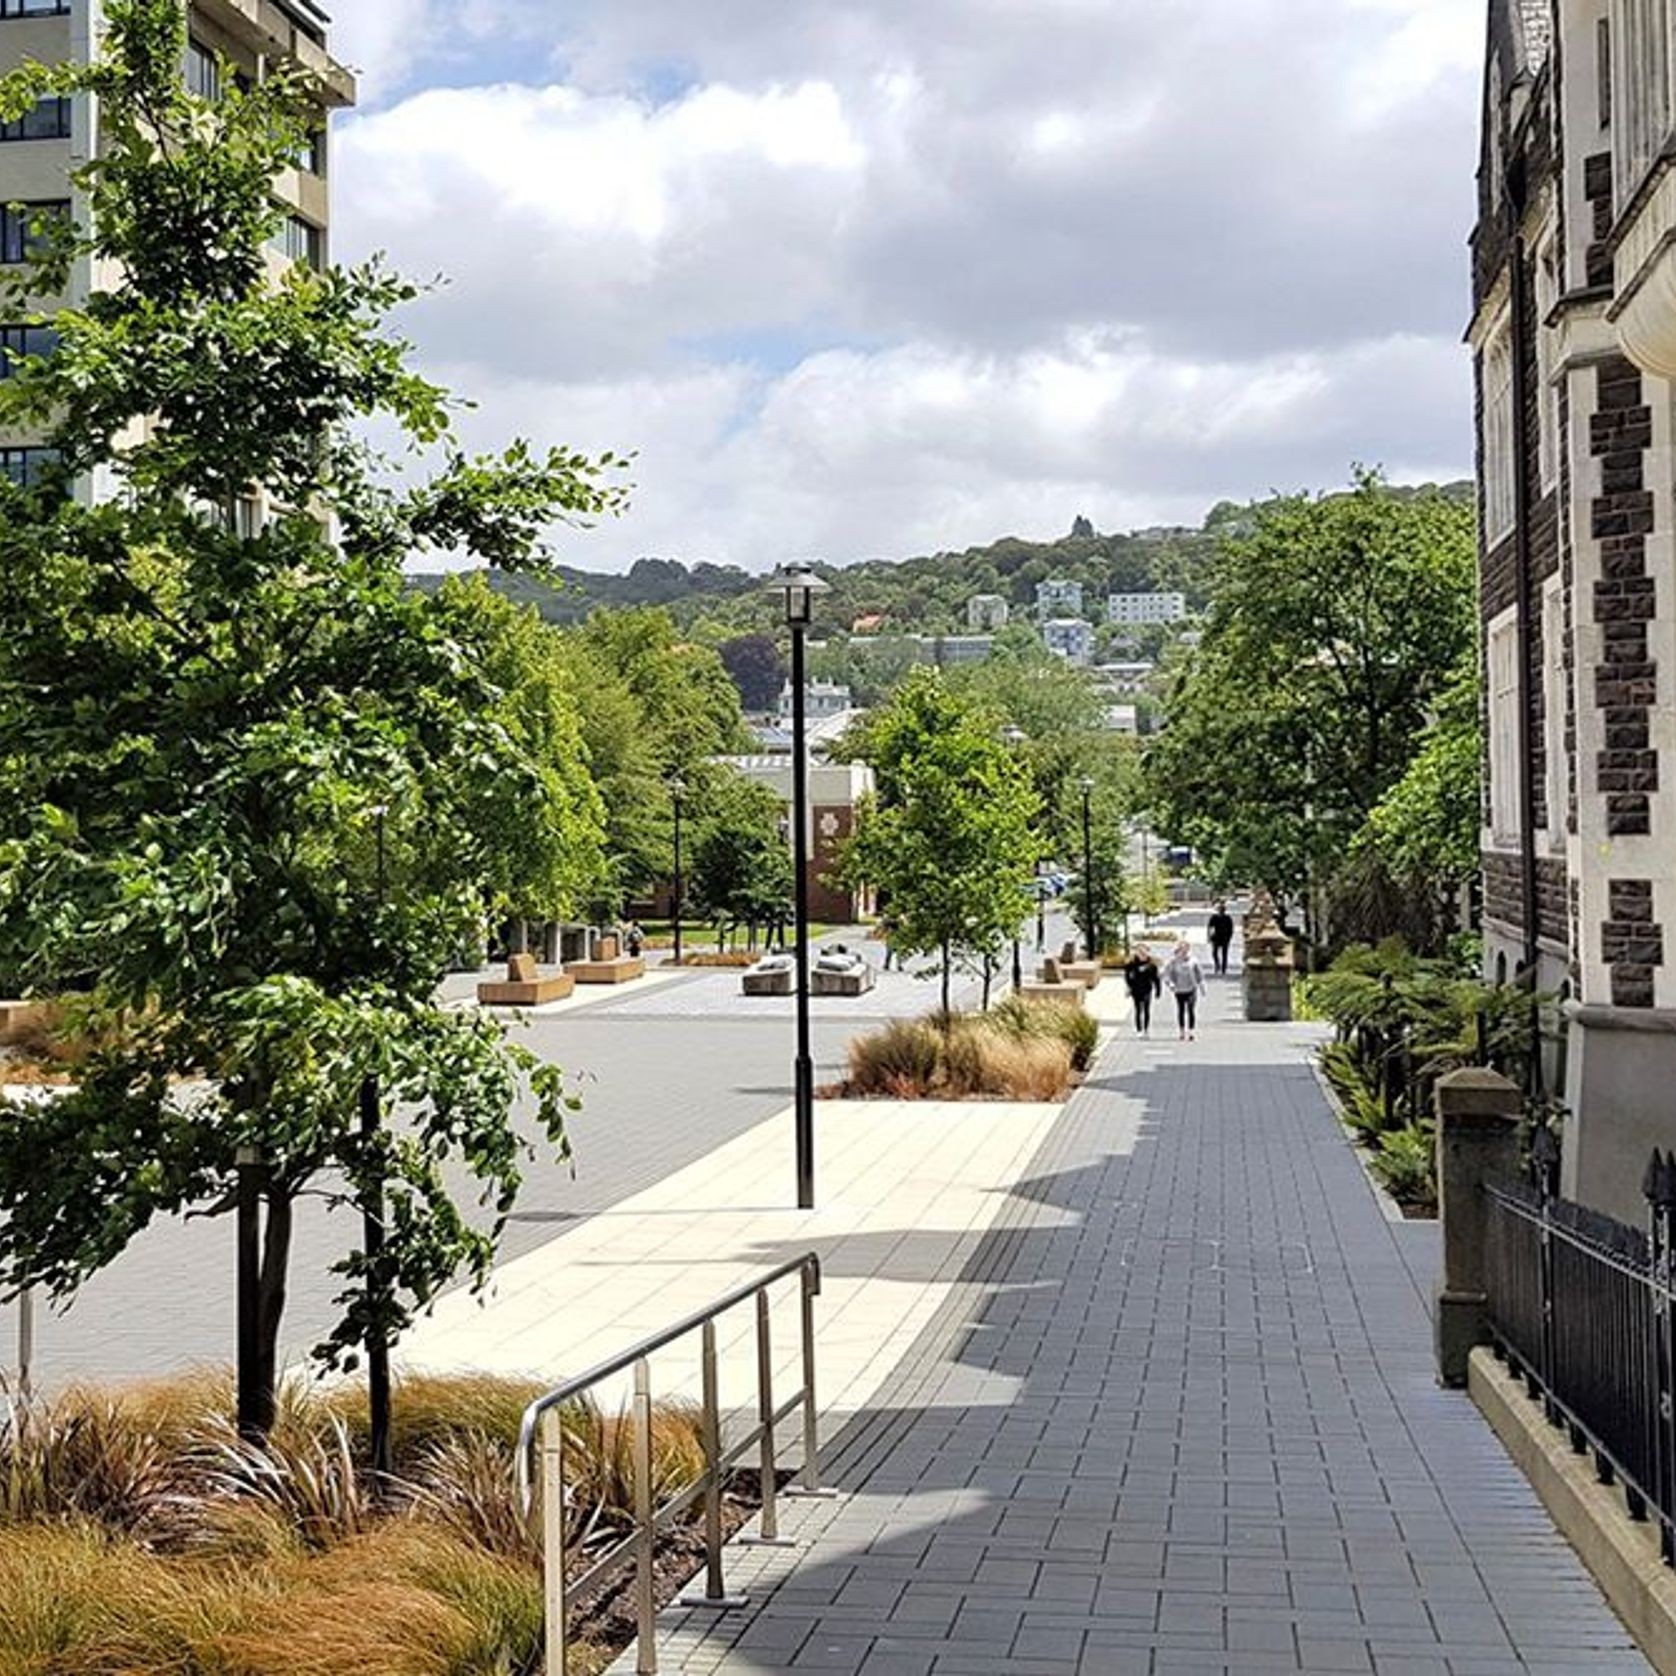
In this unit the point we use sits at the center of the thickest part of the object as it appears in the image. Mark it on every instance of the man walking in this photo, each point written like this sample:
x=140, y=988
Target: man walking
x=1221, y=937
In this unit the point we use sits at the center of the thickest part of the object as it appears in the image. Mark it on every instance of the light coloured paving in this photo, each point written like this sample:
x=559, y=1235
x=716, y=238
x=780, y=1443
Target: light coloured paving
x=460, y=992
x=906, y=1191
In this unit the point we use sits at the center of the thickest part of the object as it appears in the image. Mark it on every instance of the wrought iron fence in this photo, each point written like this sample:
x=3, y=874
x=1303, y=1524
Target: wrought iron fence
x=1580, y=1307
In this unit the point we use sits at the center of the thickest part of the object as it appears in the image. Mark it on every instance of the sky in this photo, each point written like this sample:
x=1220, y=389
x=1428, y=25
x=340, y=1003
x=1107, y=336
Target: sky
x=871, y=278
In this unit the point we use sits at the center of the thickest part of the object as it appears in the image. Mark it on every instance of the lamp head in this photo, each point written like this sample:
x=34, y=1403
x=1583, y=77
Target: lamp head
x=797, y=585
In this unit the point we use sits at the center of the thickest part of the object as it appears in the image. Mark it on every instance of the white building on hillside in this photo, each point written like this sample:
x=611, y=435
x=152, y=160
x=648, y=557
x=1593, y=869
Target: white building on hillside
x=1070, y=638
x=1135, y=610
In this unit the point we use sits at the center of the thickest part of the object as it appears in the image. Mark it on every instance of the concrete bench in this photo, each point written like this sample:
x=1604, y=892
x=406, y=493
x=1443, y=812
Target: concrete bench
x=1054, y=994
x=857, y=982
x=524, y=986
x=624, y=969
x=780, y=980
x=1085, y=972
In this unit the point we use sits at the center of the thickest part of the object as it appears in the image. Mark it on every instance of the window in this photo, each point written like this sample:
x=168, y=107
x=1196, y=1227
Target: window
x=1641, y=38
x=50, y=120
x=1503, y=672
x=203, y=72
x=21, y=231
x=17, y=342
x=1496, y=432
x=1603, y=73
x=25, y=467
x=311, y=158
x=298, y=241
x=34, y=8
x=1547, y=395
x=1558, y=778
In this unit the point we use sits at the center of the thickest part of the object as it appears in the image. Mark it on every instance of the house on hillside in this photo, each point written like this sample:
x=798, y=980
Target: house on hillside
x=986, y=613
x=1574, y=339
x=1058, y=596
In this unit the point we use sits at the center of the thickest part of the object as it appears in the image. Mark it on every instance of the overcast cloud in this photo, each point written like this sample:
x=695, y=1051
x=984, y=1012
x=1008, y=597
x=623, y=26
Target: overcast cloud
x=863, y=277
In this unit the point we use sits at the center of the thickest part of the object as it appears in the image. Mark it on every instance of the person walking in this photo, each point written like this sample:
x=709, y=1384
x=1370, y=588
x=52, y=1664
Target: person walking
x=1186, y=980
x=1140, y=973
x=1221, y=937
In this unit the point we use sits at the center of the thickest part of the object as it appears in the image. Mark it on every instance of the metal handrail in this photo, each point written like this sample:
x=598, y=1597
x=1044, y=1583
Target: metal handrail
x=543, y=1417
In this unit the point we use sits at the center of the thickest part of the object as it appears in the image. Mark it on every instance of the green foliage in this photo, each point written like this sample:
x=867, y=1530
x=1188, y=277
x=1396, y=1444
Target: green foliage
x=948, y=842
x=1336, y=627
x=741, y=865
x=254, y=790
x=1403, y=1023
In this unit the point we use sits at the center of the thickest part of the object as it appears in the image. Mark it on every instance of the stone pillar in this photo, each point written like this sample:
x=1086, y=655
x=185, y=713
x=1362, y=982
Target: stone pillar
x=1268, y=976
x=1478, y=1116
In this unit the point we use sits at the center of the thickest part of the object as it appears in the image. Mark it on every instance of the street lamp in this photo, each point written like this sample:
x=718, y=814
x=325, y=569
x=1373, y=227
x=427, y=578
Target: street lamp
x=798, y=587
x=372, y=1214
x=1015, y=737
x=1090, y=913
x=677, y=793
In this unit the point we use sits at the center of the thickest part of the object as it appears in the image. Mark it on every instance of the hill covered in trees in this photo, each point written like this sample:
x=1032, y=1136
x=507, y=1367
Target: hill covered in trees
x=924, y=595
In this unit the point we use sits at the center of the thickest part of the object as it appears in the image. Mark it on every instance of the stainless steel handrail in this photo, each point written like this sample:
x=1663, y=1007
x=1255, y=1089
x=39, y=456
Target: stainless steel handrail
x=541, y=1432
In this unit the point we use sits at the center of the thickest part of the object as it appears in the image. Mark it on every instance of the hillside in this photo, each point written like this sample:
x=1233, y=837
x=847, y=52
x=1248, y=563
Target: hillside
x=924, y=595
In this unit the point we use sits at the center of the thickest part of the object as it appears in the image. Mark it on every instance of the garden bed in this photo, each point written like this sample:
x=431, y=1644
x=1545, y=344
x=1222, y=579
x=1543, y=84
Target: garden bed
x=1033, y=1053
x=138, y=1533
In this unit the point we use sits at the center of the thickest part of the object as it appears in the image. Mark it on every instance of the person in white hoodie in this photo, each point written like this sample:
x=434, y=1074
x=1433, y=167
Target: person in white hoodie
x=1184, y=977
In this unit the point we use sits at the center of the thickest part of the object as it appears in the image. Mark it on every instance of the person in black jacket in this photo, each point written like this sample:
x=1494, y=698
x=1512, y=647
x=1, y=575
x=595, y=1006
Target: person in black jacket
x=1141, y=974
x=1221, y=930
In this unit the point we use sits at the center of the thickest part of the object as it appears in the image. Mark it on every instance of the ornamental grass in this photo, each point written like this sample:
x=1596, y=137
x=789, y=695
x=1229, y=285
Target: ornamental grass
x=1013, y=1053
x=139, y=1533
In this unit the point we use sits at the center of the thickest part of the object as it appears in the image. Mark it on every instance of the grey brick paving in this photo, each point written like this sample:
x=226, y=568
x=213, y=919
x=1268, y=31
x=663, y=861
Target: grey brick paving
x=1179, y=1418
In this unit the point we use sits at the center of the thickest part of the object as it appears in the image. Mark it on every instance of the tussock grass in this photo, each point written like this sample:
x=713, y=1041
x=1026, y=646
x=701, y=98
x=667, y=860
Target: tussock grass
x=1014, y=1053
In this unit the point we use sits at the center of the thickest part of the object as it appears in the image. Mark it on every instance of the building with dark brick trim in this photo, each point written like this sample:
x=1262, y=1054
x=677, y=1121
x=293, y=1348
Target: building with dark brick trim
x=1574, y=340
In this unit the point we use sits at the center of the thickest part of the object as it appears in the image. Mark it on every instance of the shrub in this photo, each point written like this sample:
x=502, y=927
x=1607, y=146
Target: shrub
x=1406, y=1163
x=312, y=1483
x=431, y=1408
x=984, y=1060
x=1079, y=1030
x=900, y=1061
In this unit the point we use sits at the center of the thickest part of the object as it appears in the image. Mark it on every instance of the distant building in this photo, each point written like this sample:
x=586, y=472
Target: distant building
x=1137, y=609
x=1125, y=677
x=820, y=699
x=835, y=790
x=1058, y=597
x=1123, y=718
x=1070, y=638
x=949, y=651
x=985, y=613
x=870, y=624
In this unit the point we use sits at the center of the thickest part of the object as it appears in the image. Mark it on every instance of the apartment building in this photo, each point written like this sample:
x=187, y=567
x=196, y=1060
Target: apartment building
x=986, y=613
x=1070, y=638
x=40, y=151
x=1574, y=338
x=1132, y=610
x=1058, y=596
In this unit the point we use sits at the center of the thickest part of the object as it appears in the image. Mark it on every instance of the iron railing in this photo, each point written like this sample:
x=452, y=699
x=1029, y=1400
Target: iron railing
x=541, y=1441
x=1580, y=1306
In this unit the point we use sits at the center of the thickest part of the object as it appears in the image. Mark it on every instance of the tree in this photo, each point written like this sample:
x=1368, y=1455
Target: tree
x=246, y=773
x=1335, y=626
x=753, y=664
x=741, y=865
x=948, y=840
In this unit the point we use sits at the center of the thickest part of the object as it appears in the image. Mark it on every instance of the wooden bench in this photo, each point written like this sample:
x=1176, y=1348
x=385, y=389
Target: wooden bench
x=624, y=969
x=524, y=986
x=20, y=1020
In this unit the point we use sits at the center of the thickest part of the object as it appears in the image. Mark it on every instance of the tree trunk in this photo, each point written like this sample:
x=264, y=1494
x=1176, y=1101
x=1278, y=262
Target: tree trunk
x=270, y=1306
x=988, y=979
x=948, y=967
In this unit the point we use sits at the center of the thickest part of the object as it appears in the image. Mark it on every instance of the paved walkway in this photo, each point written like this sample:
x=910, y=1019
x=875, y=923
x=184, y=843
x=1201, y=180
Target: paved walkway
x=1179, y=1418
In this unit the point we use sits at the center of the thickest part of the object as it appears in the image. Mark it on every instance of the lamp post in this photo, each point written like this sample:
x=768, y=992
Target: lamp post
x=677, y=793
x=1091, y=914
x=798, y=587
x=372, y=1214
x=1016, y=737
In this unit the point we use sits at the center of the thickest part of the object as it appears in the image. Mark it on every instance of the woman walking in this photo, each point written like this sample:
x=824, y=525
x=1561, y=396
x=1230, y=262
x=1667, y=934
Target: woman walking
x=1140, y=972
x=1186, y=978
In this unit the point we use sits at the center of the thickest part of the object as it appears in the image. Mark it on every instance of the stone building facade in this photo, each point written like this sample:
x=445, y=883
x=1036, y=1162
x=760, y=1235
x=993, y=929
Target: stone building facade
x=1574, y=340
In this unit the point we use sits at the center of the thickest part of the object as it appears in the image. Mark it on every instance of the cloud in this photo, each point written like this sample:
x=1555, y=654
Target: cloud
x=860, y=277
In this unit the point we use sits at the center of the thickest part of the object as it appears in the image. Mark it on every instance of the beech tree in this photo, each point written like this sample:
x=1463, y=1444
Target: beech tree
x=254, y=790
